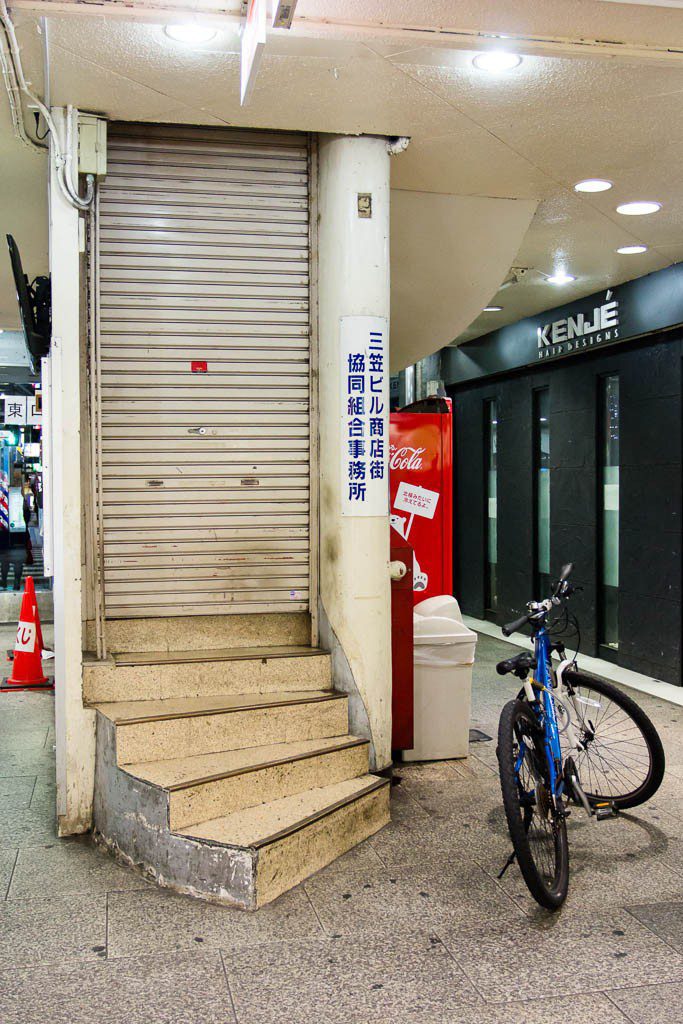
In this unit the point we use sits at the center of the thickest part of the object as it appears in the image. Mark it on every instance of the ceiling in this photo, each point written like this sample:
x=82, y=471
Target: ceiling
x=575, y=108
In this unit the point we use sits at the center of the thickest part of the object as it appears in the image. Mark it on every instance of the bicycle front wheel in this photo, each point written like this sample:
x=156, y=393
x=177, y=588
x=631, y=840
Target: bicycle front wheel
x=537, y=828
x=622, y=760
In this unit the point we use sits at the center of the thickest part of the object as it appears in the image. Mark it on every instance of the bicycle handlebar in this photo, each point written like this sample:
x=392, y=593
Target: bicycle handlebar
x=512, y=627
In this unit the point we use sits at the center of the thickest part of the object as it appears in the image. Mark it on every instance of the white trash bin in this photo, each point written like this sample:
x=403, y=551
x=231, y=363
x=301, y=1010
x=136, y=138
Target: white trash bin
x=444, y=606
x=443, y=657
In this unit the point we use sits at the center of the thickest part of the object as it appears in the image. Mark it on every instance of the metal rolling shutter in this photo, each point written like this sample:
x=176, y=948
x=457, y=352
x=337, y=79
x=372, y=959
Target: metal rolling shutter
x=204, y=257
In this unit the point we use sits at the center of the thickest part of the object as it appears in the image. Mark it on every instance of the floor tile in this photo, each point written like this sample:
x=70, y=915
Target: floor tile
x=388, y=900
x=664, y=919
x=16, y=791
x=22, y=740
x=450, y=842
x=603, y=950
x=651, y=1004
x=344, y=980
x=143, y=922
x=460, y=798
x=477, y=767
x=19, y=828
x=38, y=761
x=51, y=930
x=590, y=1009
x=70, y=866
x=433, y=770
x=403, y=806
x=180, y=989
x=45, y=793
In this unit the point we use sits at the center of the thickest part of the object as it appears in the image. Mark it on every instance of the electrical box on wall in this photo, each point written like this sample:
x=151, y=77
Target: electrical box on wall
x=92, y=145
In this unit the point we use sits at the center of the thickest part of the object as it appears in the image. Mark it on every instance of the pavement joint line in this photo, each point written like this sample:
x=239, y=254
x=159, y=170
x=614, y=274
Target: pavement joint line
x=606, y=994
x=9, y=884
x=460, y=966
x=647, y=928
x=106, y=926
x=227, y=983
x=315, y=912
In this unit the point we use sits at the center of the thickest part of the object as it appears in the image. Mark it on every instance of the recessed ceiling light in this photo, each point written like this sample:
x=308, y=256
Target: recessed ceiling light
x=593, y=185
x=190, y=33
x=560, y=277
x=497, y=60
x=631, y=250
x=492, y=309
x=639, y=209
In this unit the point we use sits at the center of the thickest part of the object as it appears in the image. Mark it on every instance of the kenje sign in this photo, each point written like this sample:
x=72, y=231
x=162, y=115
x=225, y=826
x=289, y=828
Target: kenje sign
x=580, y=331
x=644, y=306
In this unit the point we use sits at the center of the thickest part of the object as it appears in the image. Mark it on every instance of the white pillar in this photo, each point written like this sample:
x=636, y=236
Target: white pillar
x=353, y=280
x=75, y=726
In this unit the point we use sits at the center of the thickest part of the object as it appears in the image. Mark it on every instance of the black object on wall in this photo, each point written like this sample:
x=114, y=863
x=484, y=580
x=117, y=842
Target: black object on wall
x=651, y=481
x=612, y=317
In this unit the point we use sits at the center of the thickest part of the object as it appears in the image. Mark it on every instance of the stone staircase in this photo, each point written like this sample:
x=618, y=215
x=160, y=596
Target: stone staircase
x=227, y=773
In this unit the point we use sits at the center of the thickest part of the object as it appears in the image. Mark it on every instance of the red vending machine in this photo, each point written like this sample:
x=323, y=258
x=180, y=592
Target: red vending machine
x=421, y=491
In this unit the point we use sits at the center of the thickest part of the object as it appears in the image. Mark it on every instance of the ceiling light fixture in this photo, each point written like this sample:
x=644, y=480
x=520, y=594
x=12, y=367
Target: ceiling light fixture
x=593, y=185
x=560, y=277
x=631, y=250
x=639, y=209
x=492, y=309
x=190, y=33
x=497, y=60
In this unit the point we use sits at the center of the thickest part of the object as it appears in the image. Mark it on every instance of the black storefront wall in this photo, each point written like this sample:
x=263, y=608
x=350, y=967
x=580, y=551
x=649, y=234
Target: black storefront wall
x=651, y=485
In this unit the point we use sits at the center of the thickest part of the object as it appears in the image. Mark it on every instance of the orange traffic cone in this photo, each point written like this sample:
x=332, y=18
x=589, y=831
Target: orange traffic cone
x=27, y=668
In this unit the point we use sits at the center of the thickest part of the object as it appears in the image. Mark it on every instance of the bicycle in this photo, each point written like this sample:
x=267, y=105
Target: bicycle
x=567, y=738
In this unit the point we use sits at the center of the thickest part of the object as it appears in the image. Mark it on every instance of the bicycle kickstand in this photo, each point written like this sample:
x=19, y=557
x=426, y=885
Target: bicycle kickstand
x=511, y=860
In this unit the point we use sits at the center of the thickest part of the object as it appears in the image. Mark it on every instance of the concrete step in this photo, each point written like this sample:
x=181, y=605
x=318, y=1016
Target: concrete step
x=295, y=836
x=187, y=632
x=207, y=786
x=152, y=730
x=157, y=675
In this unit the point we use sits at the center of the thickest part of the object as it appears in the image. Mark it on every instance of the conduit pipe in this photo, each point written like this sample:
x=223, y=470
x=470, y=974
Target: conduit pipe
x=62, y=156
x=14, y=95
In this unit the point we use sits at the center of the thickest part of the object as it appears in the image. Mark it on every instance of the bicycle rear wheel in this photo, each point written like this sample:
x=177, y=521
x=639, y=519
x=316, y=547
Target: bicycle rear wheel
x=623, y=758
x=537, y=829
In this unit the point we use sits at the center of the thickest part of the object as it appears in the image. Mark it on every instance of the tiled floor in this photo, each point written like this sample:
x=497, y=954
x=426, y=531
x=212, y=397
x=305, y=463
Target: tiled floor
x=413, y=926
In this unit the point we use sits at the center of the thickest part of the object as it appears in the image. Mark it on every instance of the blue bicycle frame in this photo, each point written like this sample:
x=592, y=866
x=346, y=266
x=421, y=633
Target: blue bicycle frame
x=544, y=708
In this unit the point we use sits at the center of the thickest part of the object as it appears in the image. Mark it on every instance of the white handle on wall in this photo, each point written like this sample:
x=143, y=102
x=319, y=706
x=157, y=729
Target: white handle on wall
x=397, y=570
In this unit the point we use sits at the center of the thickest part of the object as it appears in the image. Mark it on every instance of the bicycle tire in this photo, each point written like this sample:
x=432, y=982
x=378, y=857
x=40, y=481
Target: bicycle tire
x=616, y=791
x=549, y=888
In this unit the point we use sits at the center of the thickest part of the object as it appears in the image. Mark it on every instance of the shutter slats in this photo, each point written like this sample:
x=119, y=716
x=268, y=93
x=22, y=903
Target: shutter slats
x=203, y=252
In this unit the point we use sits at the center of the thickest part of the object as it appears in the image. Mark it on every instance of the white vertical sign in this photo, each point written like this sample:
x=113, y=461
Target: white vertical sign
x=364, y=398
x=253, y=42
x=46, y=439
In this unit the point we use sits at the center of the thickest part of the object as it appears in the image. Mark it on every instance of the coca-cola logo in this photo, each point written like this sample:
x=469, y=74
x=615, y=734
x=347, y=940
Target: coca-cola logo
x=406, y=457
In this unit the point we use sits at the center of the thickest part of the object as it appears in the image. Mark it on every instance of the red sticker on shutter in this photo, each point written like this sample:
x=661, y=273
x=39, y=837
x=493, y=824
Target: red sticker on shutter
x=199, y=366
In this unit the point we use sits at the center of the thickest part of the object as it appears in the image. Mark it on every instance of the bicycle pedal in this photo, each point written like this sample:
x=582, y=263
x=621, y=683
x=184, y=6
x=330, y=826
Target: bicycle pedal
x=606, y=810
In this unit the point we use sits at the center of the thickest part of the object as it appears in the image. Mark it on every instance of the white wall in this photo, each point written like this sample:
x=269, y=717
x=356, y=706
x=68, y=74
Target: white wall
x=354, y=551
x=449, y=256
x=75, y=725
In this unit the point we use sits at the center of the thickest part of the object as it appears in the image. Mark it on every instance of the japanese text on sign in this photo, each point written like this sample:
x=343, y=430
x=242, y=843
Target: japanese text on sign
x=364, y=415
x=416, y=500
